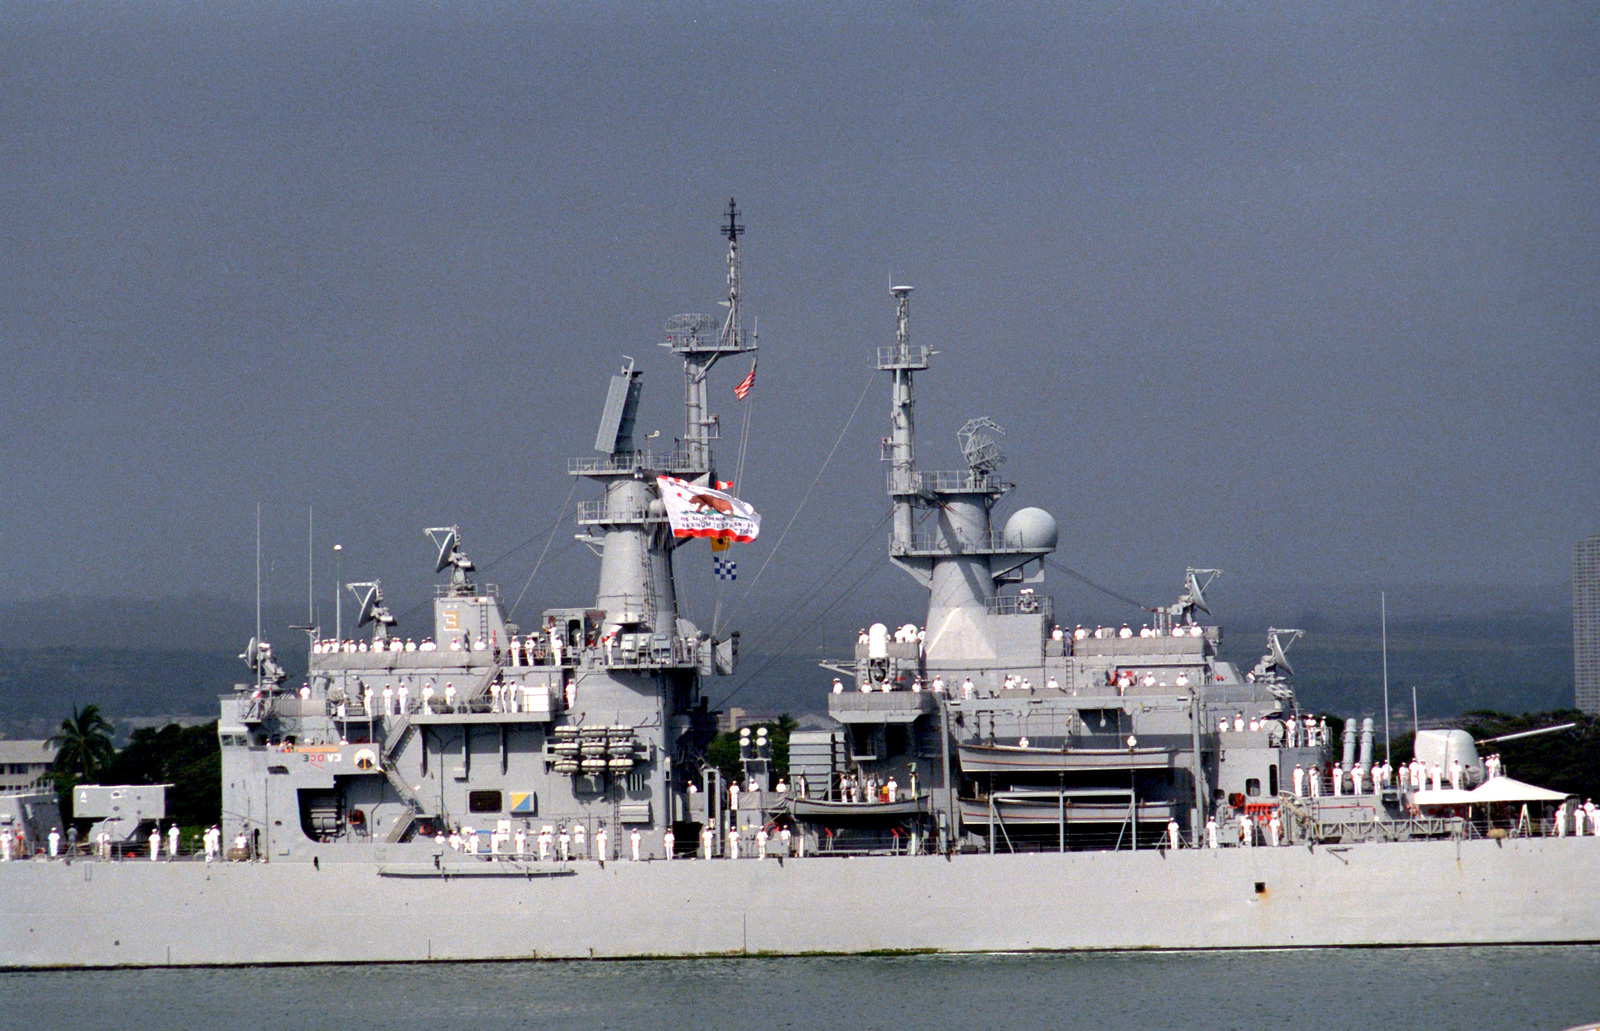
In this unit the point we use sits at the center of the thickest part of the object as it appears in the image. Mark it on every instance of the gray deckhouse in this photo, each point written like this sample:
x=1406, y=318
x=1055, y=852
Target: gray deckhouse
x=589, y=725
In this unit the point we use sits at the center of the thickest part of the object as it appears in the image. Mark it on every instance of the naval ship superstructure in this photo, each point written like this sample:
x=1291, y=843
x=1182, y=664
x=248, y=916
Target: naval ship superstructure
x=570, y=735
x=995, y=779
x=993, y=727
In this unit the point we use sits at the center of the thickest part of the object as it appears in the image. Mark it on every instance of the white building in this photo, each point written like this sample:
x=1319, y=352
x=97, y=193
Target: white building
x=23, y=764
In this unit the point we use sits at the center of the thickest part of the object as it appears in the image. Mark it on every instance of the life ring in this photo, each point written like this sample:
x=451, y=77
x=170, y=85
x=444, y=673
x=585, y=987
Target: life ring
x=425, y=829
x=357, y=817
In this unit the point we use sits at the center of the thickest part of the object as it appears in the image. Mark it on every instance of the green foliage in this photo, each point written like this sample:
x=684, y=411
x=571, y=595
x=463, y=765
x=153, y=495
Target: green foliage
x=83, y=751
x=723, y=752
x=188, y=758
x=1566, y=760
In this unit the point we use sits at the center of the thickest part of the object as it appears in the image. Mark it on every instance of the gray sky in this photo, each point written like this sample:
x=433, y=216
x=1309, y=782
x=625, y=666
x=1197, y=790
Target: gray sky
x=1306, y=292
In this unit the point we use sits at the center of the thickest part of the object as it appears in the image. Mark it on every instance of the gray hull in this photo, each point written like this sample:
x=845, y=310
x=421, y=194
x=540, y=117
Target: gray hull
x=136, y=913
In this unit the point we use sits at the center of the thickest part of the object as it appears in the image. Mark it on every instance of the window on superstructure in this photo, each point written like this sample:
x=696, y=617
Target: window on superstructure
x=483, y=802
x=1252, y=787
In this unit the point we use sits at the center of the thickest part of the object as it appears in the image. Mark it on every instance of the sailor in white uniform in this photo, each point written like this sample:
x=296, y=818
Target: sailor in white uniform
x=1299, y=781
x=761, y=843
x=1211, y=832
x=155, y=844
x=601, y=840
x=708, y=842
x=669, y=841
x=633, y=844
x=1172, y=834
x=733, y=843
x=172, y=842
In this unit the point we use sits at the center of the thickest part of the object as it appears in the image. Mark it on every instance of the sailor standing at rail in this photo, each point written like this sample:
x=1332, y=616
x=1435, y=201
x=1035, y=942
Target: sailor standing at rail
x=520, y=839
x=733, y=843
x=1211, y=832
x=404, y=697
x=669, y=841
x=1299, y=781
x=155, y=844
x=55, y=842
x=1247, y=831
x=1455, y=774
x=1172, y=835
x=543, y=842
x=1594, y=817
x=761, y=843
x=708, y=842
x=172, y=841
x=1560, y=820
x=786, y=842
x=1274, y=829
x=633, y=844
x=966, y=688
x=601, y=852
x=564, y=844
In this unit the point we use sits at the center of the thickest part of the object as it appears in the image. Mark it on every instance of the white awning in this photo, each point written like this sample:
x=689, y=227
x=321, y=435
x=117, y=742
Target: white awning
x=1504, y=789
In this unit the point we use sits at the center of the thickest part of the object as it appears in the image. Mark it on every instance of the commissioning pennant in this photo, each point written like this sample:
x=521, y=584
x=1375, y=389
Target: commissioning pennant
x=696, y=511
x=744, y=385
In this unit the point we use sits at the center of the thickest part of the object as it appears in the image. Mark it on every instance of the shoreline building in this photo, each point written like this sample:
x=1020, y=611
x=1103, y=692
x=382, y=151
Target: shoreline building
x=24, y=764
x=1586, y=624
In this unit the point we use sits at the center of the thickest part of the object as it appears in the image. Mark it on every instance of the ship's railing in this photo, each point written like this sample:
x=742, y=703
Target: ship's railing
x=600, y=512
x=633, y=461
x=702, y=333
x=937, y=542
x=914, y=356
x=483, y=591
x=1022, y=605
x=948, y=481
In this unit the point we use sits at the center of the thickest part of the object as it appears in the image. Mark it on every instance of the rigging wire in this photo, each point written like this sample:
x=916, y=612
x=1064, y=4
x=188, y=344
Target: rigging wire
x=807, y=497
x=546, y=549
x=839, y=566
x=1053, y=564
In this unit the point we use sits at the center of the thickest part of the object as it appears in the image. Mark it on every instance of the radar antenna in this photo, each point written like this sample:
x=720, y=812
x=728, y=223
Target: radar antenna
x=373, y=610
x=448, y=540
x=979, y=446
x=1193, y=598
x=258, y=656
x=1273, y=667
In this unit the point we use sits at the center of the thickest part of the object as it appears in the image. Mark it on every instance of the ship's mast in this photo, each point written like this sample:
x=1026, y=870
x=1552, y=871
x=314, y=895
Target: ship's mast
x=901, y=361
x=627, y=527
x=961, y=560
x=703, y=340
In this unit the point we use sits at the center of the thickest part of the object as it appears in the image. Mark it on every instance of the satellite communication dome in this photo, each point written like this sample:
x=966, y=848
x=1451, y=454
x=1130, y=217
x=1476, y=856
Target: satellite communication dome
x=1033, y=527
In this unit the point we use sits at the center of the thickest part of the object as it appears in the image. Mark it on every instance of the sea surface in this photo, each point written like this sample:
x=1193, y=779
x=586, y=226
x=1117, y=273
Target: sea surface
x=1452, y=989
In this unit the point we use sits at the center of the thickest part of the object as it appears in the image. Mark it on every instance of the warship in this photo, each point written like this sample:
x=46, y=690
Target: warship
x=995, y=777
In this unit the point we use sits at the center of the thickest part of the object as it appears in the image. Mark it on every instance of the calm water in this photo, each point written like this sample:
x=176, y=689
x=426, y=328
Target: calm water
x=1458, y=989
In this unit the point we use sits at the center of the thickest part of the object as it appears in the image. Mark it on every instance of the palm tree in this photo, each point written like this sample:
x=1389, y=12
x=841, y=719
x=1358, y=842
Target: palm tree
x=83, y=746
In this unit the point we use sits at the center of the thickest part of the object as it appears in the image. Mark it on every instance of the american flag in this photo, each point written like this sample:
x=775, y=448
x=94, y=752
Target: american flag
x=724, y=569
x=744, y=385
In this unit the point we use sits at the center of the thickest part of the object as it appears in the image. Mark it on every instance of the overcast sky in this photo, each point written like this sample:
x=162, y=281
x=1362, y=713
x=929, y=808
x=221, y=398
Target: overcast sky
x=1306, y=292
